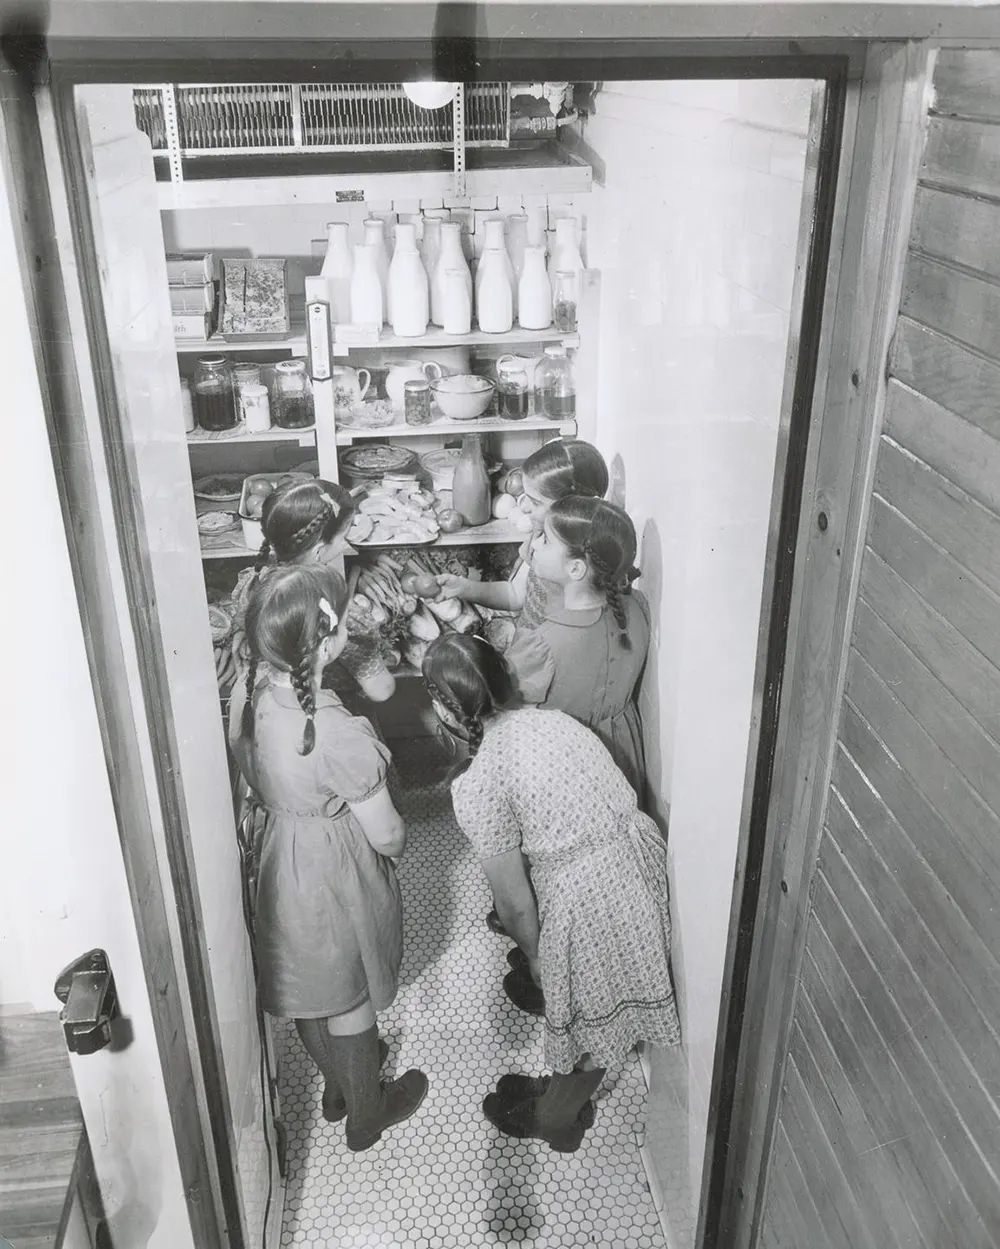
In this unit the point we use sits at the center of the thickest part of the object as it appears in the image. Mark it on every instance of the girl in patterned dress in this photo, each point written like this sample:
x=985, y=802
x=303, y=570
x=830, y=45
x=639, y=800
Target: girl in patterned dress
x=587, y=655
x=562, y=467
x=541, y=791
x=327, y=908
x=306, y=523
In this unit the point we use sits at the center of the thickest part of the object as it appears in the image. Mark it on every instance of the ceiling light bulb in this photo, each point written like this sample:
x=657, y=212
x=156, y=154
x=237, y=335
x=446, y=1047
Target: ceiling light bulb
x=430, y=94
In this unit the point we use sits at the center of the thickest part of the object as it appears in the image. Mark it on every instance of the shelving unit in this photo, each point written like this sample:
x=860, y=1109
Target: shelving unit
x=348, y=434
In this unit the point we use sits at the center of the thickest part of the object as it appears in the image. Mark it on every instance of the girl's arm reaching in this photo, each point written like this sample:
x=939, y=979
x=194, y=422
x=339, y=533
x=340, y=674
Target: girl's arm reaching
x=515, y=901
x=381, y=823
x=498, y=595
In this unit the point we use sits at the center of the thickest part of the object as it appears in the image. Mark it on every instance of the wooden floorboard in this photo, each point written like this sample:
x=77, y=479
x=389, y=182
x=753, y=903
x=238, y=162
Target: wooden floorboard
x=960, y=738
x=912, y=892
x=961, y=599
x=966, y=673
x=40, y=1129
x=903, y=1036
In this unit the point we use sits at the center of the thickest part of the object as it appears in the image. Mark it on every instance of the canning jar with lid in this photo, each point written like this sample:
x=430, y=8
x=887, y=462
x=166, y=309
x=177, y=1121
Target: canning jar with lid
x=245, y=373
x=417, y=401
x=555, y=386
x=292, y=397
x=212, y=393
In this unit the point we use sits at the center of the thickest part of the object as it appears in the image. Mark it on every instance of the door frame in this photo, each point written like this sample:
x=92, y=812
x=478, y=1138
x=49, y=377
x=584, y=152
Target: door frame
x=799, y=681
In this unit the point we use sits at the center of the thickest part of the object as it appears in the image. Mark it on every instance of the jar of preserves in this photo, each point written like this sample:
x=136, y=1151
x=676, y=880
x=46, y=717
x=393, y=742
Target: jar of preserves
x=292, y=397
x=555, y=386
x=212, y=393
x=512, y=389
x=255, y=408
x=417, y=401
x=245, y=373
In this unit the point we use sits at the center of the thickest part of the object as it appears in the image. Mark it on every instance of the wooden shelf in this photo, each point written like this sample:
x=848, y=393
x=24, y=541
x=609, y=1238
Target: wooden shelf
x=237, y=551
x=295, y=343
x=212, y=438
x=484, y=425
x=550, y=169
x=434, y=336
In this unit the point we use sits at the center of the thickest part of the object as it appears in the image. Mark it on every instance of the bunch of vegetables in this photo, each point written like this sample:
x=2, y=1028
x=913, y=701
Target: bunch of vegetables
x=397, y=593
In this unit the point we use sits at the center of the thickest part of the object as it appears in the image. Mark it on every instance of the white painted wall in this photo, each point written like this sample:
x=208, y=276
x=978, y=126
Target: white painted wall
x=694, y=231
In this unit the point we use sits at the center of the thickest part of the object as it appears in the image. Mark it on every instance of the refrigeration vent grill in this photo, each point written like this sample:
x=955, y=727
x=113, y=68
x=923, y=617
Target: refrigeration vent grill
x=254, y=119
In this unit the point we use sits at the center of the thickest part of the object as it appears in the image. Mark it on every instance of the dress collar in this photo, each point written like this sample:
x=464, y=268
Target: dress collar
x=579, y=618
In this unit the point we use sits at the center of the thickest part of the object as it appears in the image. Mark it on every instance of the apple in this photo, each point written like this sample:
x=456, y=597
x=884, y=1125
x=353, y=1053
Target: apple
x=409, y=582
x=503, y=505
x=450, y=521
x=514, y=482
x=425, y=587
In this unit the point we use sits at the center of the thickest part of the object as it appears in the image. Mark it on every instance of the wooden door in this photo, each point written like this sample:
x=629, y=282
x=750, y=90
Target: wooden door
x=888, y=1128
x=120, y=191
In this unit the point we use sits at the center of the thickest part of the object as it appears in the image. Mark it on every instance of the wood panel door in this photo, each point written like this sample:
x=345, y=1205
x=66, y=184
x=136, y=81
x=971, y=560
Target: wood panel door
x=889, y=1123
x=199, y=853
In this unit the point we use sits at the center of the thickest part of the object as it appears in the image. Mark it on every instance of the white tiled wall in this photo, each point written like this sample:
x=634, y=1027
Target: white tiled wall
x=694, y=230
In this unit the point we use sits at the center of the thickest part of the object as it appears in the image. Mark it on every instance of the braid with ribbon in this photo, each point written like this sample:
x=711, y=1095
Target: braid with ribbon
x=302, y=684
x=472, y=725
x=602, y=577
x=246, y=720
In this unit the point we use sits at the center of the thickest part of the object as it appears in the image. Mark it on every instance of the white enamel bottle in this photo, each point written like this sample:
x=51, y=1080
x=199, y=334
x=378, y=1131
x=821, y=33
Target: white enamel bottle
x=565, y=253
x=534, y=294
x=451, y=257
x=367, y=306
x=338, y=265
x=517, y=241
x=375, y=237
x=408, y=289
x=430, y=250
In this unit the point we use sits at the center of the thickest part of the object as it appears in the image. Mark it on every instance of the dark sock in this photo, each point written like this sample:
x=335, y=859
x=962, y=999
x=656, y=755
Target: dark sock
x=372, y=1106
x=565, y=1097
x=313, y=1034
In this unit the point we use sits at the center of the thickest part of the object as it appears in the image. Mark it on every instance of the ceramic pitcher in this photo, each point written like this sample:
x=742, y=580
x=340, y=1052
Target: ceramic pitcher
x=348, y=388
x=402, y=371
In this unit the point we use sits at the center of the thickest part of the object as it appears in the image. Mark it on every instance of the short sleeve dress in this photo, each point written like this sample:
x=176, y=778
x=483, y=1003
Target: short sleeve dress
x=544, y=783
x=574, y=661
x=328, y=912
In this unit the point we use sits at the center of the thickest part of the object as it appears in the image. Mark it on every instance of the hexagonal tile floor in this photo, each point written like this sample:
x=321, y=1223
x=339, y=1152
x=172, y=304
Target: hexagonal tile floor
x=446, y=1177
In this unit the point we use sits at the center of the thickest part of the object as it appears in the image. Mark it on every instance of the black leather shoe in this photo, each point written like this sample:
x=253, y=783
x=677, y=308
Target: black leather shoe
x=524, y=993
x=520, y=1121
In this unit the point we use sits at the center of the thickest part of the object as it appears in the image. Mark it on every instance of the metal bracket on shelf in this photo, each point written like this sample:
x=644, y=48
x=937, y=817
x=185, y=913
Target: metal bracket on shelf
x=458, y=129
x=173, y=133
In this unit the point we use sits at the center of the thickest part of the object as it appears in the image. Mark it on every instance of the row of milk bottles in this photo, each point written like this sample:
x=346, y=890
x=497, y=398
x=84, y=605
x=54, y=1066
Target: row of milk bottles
x=432, y=282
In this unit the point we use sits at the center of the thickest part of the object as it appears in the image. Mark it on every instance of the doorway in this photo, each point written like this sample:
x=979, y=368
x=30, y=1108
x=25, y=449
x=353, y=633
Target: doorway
x=610, y=431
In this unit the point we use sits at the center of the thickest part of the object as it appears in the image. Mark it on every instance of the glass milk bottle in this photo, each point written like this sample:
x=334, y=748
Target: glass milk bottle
x=430, y=250
x=534, y=294
x=375, y=238
x=495, y=248
x=517, y=241
x=367, y=304
x=408, y=290
x=471, y=485
x=566, y=249
x=494, y=292
x=450, y=257
x=456, y=309
x=338, y=266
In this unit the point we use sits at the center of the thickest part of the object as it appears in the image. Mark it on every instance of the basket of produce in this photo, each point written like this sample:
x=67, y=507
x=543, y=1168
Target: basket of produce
x=255, y=490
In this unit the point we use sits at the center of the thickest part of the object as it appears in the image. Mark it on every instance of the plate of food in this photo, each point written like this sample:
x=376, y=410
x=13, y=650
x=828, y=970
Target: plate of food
x=220, y=487
x=401, y=515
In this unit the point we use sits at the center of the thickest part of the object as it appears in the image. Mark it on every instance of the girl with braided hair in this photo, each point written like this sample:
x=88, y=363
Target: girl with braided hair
x=562, y=467
x=541, y=795
x=306, y=523
x=328, y=913
x=587, y=655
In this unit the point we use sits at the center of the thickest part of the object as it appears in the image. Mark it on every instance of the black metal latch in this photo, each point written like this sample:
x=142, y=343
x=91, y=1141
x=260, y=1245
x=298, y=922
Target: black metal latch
x=90, y=1002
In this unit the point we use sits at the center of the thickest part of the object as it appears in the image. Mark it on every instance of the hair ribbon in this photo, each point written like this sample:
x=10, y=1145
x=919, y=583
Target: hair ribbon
x=328, y=612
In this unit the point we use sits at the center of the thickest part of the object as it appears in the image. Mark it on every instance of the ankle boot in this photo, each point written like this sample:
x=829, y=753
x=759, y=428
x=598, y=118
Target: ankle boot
x=561, y=1107
x=372, y=1106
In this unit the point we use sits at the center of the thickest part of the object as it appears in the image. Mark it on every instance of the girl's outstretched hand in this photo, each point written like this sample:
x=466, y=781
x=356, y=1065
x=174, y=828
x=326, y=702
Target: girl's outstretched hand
x=450, y=586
